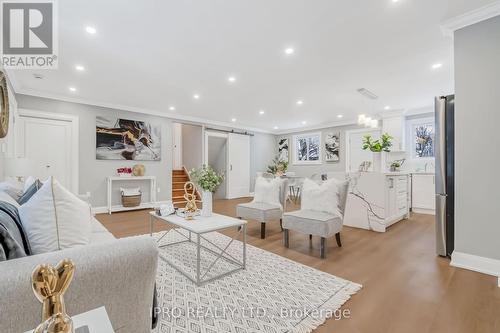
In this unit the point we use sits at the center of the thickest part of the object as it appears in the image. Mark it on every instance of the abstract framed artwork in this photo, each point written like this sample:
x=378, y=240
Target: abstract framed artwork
x=332, y=147
x=124, y=139
x=283, y=149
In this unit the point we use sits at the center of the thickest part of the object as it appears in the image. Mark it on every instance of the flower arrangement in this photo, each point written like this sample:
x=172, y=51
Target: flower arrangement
x=377, y=146
x=206, y=178
x=278, y=166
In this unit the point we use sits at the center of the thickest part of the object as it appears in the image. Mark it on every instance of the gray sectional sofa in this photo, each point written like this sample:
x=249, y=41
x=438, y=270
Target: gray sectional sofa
x=117, y=274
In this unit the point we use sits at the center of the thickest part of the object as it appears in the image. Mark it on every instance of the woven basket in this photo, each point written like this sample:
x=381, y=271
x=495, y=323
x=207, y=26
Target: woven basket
x=131, y=200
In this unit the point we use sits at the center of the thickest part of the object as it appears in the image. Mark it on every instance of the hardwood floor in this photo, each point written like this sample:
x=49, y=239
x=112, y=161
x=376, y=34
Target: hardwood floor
x=406, y=287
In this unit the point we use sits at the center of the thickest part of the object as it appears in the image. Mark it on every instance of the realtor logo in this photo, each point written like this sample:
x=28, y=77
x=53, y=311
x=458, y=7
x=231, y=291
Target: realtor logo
x=29, y=34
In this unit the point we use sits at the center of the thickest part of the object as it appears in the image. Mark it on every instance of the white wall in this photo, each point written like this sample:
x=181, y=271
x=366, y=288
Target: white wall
x=192, y=146
x=94, y=172
x=477, y=119
x=263, y=148
x=217, y=159
x=324, y=167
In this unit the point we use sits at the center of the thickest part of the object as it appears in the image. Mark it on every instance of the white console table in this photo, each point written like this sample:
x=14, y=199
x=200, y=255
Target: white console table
x=119, y=208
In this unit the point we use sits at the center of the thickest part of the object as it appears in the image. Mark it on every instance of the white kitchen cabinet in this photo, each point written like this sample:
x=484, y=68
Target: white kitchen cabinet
x=423, y=193
x=377, y=200
x=395, y=127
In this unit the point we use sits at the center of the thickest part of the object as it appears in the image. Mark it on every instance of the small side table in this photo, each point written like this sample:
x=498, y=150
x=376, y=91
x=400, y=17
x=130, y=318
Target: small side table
x=93, y=321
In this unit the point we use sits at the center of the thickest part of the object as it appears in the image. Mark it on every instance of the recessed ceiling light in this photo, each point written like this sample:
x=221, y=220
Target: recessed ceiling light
x=172, y=108
x=395, y=0
x=90, y=30
x=437, y=65
x=387, y=107
x=79, y=68
x=233, y=120
x=275, y=127
x=300, y=102
x=261, y=112
x=231, y=79
x=304, y=122
x=72, y=89
x=340, y=116
x=289, y=51
x=196, y=96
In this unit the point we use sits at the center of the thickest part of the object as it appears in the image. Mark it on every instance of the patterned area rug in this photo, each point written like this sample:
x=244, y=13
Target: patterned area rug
x=273, y=294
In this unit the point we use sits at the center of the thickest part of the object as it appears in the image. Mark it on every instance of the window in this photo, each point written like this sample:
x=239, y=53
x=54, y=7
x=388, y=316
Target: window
x=422, y=140
x=307, y=148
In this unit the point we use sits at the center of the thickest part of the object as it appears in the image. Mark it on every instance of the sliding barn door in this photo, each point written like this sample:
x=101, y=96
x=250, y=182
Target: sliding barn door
x=238, y=174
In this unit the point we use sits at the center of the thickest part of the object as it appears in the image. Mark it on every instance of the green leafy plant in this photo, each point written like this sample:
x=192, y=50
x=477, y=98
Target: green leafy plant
x=277, y=166
x=206, y=178
x=377, y=146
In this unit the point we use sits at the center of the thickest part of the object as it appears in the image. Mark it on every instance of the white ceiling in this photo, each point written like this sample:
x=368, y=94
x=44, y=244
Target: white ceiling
x=148, y=55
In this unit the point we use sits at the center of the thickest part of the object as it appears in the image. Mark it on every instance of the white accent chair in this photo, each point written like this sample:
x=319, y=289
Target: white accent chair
x=264, y=212
x=317, y=223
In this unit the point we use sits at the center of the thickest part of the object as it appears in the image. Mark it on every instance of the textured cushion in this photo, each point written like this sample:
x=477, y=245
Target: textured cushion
x=28, y=182
x=259, y=211
x=55, y=219
x=14, y=238
x=320, y=197
x=12, y=187
x=119, y=275
x=313, y=222
x=11, y=241
x=26, y=196
x=267, y=190
x=7, y=198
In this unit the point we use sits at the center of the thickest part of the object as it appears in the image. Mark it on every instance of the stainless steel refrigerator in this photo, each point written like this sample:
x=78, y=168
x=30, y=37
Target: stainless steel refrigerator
x=445, y=174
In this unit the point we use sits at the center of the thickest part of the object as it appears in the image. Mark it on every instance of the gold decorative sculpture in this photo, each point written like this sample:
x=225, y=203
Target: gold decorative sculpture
x=138, y=170
x=49, y=285
x=4, y=106
x=190, y=196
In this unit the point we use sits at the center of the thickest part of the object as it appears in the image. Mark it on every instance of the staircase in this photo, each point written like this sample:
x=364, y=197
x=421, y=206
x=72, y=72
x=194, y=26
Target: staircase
x=179, y=178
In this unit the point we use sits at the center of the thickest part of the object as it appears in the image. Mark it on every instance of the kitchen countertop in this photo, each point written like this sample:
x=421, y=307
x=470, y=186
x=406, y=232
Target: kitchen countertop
x=422, y=173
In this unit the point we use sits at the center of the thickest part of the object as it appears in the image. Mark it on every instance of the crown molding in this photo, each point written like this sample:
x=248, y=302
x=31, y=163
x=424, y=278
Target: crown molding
x=164, y=114
x=315, y=128
x=392, y=113
x=475, y=16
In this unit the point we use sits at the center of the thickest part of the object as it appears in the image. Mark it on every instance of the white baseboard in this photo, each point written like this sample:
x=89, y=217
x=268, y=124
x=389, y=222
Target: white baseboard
x=104, y=209
x=423, y=211
x=476, y=263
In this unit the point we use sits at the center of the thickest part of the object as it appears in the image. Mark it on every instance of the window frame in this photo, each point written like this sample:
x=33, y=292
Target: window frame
x=412, y=124
x=296, y=137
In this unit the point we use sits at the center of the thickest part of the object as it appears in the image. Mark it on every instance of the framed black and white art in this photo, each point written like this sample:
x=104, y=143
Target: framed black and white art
x=283, y=150
x=332, y=147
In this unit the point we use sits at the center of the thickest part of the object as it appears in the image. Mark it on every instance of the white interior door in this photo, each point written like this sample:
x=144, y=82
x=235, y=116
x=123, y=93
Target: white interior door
x=47, y=149
x=356, y=153
x=238, y=174
x=177, y=140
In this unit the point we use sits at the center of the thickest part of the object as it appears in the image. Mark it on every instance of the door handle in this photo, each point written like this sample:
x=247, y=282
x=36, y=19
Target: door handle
x=230, y=167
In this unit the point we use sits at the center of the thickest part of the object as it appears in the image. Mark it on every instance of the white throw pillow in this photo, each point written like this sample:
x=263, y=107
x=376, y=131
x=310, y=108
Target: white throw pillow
x=267, y=190
x=12, y=187
x=55, y=219
x=321, y=197
x=28, y=182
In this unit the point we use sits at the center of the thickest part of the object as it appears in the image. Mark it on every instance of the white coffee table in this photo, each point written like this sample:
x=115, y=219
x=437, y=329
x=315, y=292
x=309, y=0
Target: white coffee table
x=196, y=229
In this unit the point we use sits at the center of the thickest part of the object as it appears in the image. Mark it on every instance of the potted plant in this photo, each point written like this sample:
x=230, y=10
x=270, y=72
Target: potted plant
x=207, y=179
x=278, y=167
x=377, y=147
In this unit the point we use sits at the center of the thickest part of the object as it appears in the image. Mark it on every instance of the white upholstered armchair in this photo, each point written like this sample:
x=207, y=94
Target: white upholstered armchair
x=318, y=223
x=262, y=209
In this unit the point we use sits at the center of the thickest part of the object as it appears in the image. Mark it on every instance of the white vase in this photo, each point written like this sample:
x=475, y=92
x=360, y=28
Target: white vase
x=377, y=162
x=206, y=198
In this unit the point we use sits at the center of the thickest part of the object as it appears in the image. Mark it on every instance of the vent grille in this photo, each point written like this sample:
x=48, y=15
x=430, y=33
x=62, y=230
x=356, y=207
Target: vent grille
x=367, y=93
